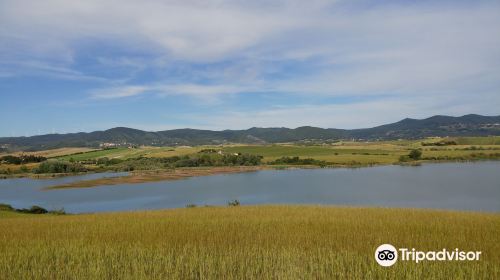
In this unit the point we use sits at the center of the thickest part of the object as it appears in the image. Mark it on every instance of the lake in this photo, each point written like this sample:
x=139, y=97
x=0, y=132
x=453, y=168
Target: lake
x=460, y=186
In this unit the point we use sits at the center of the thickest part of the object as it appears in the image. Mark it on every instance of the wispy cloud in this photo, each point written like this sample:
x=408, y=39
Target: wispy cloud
x=119, y=92
x=195, y=90
x=45, y=69
x=387, y=46
x=442, y=52
x=350, y=115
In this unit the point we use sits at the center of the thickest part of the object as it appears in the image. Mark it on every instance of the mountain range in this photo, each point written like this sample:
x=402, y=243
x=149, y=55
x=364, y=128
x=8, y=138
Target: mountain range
x=467, y=125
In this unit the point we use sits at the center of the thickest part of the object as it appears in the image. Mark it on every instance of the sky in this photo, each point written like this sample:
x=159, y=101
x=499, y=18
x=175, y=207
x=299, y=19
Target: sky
x=68, y=66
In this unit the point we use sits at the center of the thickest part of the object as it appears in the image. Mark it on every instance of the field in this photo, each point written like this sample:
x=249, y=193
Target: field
x=266, y=242
x=478, y=140
x=383, y=152
x=55, y=152
x=250, y=242
x=125, y=153
x=345, y=153
x=111, y=153
x=364, y=154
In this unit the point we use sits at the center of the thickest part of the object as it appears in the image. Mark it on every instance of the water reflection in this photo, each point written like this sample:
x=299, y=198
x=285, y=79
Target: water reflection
x=465, y=186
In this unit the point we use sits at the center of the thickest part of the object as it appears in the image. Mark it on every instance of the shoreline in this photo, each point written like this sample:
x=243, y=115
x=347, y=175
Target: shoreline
x=270, y=205
x=137, y=177
x=43, y=176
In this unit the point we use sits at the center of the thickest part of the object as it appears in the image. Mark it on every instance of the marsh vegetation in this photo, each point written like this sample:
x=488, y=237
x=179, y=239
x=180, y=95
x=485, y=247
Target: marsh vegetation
x=267, y=242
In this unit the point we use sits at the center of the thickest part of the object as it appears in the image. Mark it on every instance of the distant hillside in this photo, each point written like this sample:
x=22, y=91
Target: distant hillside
x=468, y=125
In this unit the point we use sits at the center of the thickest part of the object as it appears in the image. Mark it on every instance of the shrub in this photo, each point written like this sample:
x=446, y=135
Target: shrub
x=208, y=151
x=440, y=143
x=196, y=160
x=299, y=161
x=6, y=207
x=415, y=154
x=404, y=159
x=59, y=167
x=106, y=161
x=233, y=203
x=22, y=159
x=35, y=209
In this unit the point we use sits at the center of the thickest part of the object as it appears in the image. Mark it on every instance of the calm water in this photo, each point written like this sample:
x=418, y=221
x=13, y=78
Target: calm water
x=465, y=186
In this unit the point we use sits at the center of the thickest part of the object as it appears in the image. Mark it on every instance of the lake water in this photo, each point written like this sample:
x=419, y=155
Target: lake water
x=462, y=186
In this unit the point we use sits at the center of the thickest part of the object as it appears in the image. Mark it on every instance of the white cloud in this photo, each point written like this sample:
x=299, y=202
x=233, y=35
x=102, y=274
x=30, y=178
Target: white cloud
x=348, y=116
x=442, y=52
x=205, y=92
x=193, y=30
x=119, y=92
x=42, y=68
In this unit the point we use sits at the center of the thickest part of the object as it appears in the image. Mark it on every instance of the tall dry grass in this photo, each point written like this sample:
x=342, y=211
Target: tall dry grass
x=265, y=242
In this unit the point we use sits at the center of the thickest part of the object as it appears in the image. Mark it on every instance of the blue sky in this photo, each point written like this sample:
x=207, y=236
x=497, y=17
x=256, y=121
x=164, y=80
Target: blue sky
x=70, y=66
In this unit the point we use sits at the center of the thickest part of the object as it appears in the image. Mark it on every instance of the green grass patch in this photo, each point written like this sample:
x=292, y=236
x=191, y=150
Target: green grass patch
x=492, y=140
x=331, y=154
x=95, y=154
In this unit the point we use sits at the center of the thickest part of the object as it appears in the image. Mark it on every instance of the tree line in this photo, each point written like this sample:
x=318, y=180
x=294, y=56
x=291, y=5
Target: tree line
x=22, y=159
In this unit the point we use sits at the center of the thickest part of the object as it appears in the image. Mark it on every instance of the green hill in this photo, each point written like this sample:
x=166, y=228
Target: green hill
x=468, y=125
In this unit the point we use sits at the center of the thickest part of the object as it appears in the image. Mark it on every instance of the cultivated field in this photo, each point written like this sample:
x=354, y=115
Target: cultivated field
x=126, y=153
x=266, y=242
x=364, y=154
x=54, y=152
x=382, y=152
x=338, y=154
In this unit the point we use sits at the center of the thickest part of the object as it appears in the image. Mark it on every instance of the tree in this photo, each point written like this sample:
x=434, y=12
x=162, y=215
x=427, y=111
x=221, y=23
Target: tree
x=415, y=154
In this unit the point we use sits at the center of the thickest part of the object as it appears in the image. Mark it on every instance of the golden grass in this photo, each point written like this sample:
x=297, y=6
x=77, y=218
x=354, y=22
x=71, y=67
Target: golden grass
x=266, y=242
x=15, y=167
x=352, y=160
x=454, y=153
x=170, y=152
x=56, y=152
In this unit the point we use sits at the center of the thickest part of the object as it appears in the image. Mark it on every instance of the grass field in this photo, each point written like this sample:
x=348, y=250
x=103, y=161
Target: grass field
x=383, y=152
x=111, y=153
x=54, y=152
x=345, y=153
x=125, y=153
x=266, y=242
x=335, y=154
x=478, y=140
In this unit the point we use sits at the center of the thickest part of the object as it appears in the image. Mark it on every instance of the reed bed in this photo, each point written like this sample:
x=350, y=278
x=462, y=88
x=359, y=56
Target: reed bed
x=250, y=242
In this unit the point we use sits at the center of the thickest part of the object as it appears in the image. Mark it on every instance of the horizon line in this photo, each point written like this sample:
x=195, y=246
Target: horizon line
x=221, y=130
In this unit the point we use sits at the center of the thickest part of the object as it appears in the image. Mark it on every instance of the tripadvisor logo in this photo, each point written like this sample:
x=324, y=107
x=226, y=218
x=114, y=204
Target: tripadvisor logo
x=387, y=255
